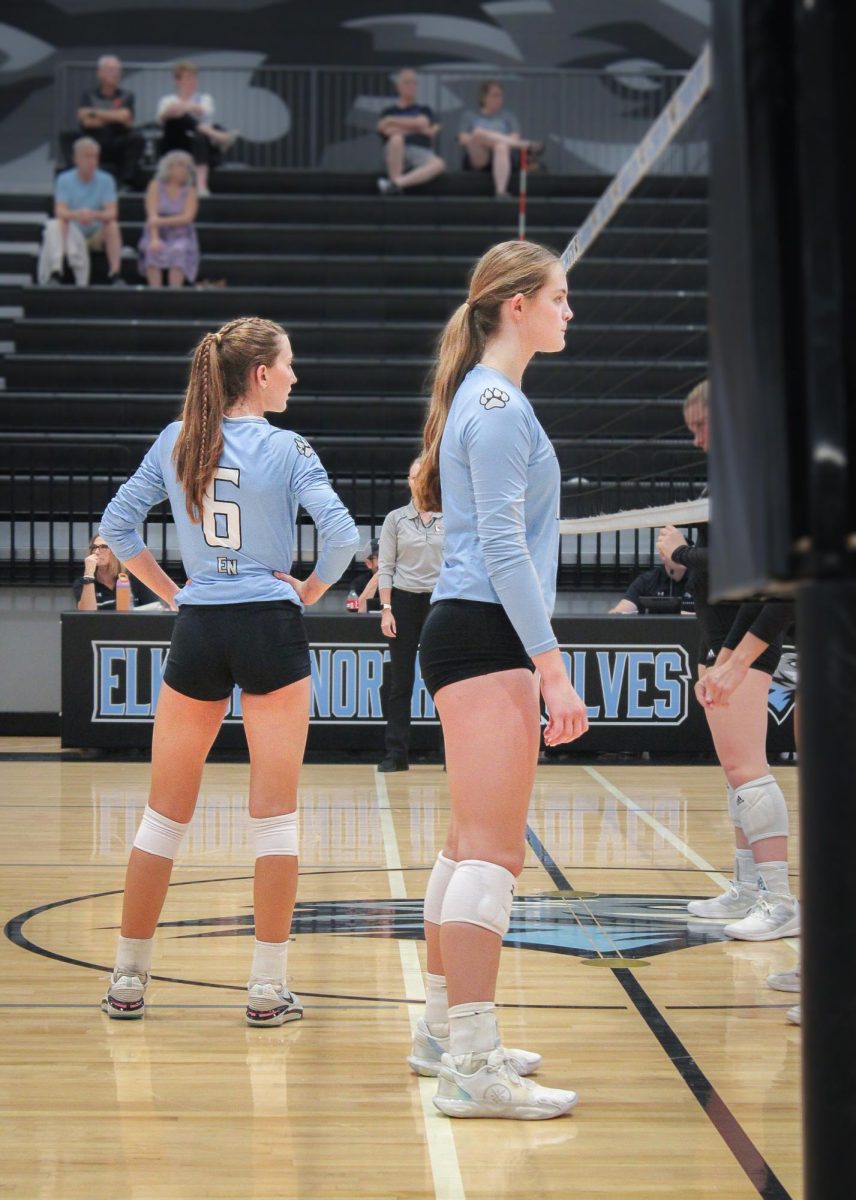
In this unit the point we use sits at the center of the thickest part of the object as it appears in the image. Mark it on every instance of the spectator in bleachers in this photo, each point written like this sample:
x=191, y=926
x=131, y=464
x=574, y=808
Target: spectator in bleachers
x=665, y=580
x=491, y=137
x=408, y=130
x=85, y=219
x=106, y=114
x=187, y=117
x=169, y=242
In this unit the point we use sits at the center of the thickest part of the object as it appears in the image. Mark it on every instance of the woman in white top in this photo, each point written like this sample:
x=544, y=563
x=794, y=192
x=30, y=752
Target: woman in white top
x=187, y=117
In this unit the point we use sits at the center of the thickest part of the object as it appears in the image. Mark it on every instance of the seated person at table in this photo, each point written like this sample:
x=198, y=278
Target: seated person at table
x=95, y=589
x=365, y=583
x=664, y=580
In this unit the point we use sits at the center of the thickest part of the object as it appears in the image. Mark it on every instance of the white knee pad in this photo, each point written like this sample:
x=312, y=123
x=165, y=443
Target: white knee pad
x=733, y=811
x=438, y=882
x=275, y=835
x=480, y=893
x=159, y=835
x=762, y=810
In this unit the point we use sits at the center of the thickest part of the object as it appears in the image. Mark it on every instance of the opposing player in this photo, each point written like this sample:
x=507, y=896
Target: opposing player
x=758, y=904
x=234, y=483
x=488, y=464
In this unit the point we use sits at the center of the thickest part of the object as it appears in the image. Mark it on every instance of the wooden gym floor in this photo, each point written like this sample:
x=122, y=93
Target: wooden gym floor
x=687, y=1070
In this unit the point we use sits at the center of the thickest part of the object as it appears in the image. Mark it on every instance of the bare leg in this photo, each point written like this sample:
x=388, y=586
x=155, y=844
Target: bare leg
x=739, y=733
x=202, y=177
x=394, y=156
x=501, y=169
x=113, y=246
x=184, y=732
x=276, y=725
x=491, y=729
x=430, y=170
x=176, y=277
x=154, y=275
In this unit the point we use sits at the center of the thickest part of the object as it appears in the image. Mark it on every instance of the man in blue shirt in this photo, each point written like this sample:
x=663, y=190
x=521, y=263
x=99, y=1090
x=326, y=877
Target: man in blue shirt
x=85, y=219
x=408, y=130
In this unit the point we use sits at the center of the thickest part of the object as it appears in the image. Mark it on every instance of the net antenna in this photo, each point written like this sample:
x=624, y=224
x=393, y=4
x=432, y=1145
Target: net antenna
x=630, y=437
x=671, y=120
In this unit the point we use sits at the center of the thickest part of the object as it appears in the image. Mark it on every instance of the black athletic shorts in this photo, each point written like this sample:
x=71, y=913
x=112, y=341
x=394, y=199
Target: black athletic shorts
x=464, y=638
x=260, y=647
x=715, y=622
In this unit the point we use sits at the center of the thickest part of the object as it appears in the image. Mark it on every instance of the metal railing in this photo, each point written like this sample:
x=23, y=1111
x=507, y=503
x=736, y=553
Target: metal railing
x=319, y=117
x=54, y=488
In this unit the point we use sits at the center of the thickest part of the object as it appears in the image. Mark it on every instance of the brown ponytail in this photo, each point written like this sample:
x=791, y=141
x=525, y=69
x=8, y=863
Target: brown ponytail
x=506, y=270
x=223, y=363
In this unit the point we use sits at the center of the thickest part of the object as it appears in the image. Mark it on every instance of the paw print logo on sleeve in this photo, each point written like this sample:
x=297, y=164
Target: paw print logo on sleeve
x=303, y=448
x=493, y=397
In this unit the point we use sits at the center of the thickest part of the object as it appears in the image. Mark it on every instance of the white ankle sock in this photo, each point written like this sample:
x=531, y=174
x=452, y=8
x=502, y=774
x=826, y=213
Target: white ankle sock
x=473, y=1028
x=436, y=1002
x=745, y=870
x=270, y=961
x=134, y=955
x=774, y=876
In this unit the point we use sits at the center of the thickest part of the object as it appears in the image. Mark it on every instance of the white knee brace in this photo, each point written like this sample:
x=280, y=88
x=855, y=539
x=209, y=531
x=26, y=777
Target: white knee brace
x=438, y=882
x=762, y=810
x=275, y=835
x=480, y=893
x=159, y=835
x=733, y=811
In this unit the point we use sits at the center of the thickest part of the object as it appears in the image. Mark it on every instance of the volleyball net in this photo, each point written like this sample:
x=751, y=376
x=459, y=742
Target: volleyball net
x=637, y=277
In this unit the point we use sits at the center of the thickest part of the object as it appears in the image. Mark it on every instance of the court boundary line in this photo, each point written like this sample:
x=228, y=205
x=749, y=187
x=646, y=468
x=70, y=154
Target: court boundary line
x=439, y=1134
x=672, y=838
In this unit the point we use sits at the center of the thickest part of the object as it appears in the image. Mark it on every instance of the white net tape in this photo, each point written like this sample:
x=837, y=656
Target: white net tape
x=693, y=512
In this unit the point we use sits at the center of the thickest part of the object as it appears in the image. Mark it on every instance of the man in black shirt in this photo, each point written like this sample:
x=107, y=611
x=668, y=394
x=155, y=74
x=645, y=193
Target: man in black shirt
x=661, y=581
x=408, y=130
x=106, y=113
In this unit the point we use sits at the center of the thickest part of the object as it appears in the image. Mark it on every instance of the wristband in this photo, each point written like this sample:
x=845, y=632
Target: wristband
x=88, y=578
x=386, y=607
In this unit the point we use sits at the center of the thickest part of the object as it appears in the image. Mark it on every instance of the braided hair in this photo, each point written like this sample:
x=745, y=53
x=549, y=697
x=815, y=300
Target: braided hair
x=222, y=366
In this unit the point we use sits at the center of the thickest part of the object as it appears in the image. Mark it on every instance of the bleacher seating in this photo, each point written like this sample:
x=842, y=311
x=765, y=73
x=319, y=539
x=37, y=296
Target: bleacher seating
x=363, y=283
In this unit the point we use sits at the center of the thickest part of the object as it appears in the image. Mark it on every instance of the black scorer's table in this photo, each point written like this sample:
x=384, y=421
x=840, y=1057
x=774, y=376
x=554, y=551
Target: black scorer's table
x=635, y=674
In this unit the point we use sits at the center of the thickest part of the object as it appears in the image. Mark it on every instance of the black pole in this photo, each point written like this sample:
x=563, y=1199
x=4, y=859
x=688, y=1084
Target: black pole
x=826, y=627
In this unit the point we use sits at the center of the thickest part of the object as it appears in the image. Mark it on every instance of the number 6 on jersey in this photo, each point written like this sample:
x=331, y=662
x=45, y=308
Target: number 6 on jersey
x=221, y=519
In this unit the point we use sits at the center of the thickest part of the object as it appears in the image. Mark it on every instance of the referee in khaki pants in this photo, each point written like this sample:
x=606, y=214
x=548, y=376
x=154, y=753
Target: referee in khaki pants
x=409, y=559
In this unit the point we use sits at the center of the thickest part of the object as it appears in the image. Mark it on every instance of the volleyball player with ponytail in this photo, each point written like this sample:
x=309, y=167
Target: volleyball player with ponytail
x=489, y=466
x=234, y=483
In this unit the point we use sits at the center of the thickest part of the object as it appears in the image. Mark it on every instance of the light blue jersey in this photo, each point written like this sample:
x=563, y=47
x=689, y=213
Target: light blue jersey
x=501, y=486
x=249, y=516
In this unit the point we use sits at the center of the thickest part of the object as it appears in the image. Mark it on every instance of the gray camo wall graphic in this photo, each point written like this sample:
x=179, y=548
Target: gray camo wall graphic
x=235, y=42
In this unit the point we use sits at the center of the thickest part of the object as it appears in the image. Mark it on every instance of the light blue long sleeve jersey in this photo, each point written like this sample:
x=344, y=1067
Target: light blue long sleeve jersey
x=501, y=486
x=248, y=526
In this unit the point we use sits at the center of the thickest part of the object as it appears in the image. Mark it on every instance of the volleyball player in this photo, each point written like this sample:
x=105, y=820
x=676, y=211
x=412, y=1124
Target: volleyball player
x=489, y=466
x=234, y=483
x=717, y=687
x=757, y=904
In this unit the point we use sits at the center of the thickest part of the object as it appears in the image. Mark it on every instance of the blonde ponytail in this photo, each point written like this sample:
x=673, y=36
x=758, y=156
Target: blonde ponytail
x=506, y=270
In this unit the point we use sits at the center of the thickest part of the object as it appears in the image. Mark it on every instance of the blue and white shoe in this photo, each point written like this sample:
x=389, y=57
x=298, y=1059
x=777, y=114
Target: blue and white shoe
x=125, y=999
x=428, y=1049
x=269, y=1006
x=479, y=1085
